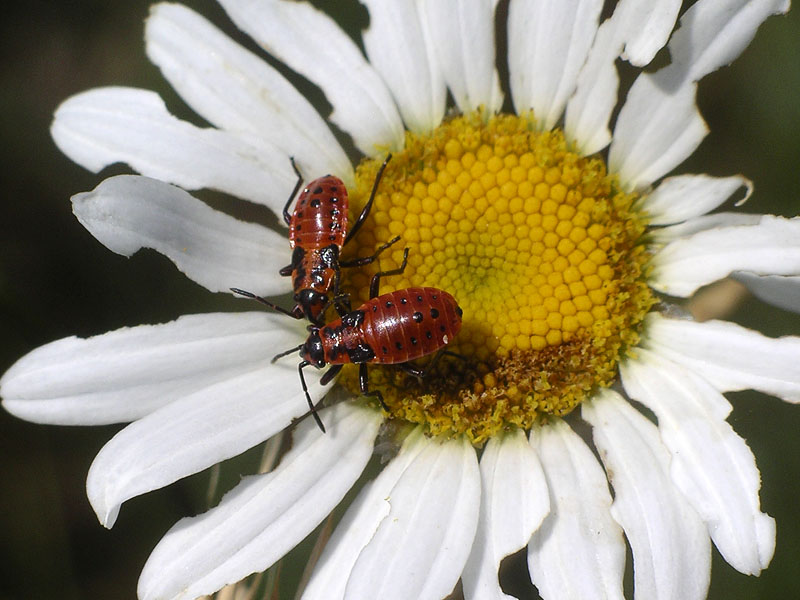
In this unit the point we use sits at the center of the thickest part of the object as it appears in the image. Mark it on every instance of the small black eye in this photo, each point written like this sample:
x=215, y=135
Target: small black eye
x=417, y=316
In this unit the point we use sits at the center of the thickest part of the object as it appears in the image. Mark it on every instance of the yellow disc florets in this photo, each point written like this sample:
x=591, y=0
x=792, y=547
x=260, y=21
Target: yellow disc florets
x=540, y=248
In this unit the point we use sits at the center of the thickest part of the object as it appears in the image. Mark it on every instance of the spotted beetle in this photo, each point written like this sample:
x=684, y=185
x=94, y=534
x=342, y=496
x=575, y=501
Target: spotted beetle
x=392, y=328
x=317, y=234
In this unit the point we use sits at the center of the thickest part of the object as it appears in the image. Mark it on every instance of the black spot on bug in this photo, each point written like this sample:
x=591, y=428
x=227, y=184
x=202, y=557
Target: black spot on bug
x=361, y=353
x=417, y=316
x=403, y=300
x=434, y=313
x=318, y=189
x=435, y=296
x=429, y=335
x=442, y=328
x=331, y=237
x=316, y=202
x=334, y=189
x=374, y=308
x=300, y=215
x=398, y=345
x=389, y=304
x=385, y=350
x=299, y=227
x=413, y=341
x=419, y=298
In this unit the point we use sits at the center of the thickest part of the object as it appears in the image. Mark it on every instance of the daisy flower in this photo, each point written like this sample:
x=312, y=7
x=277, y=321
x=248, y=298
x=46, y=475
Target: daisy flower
x=556, y=227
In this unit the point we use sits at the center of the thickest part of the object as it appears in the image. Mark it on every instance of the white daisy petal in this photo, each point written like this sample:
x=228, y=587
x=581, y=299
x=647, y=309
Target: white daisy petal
x=547, y=45
x=128, y=373
x=108, y=125
x=644, y=26
x=713, y=33
x=409, y=531
x=359, y=524
x=729, y=356
x=780, y=291
x=265, y=516
x=664, y=235
x=238, y=91
x=399, y=49
x=684, y=197
x=129, y=212
x=658, y=127
x=514, y=501
x=579, y=551
x=648, y=26
x=311, y=43
x=711, y=464
x=769, y=247
x=462, y=32
x=197, y=431
x=670, y=543
x=420, y=548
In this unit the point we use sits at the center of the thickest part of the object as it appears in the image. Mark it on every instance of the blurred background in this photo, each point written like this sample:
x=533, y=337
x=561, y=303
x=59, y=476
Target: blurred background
x=56, y=281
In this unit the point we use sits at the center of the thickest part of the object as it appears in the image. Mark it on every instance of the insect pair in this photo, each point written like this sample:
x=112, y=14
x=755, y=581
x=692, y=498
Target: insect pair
x=392, y=328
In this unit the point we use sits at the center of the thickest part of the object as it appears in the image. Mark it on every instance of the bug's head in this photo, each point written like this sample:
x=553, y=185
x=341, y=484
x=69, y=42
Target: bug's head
x=312, y=303
x=312, y=350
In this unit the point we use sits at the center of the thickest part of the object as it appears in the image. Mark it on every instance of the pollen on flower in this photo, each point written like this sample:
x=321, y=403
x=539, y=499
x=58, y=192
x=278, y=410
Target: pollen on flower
x=541, y=250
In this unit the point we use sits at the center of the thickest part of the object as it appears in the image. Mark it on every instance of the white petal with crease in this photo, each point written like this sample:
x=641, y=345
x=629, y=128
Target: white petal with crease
x=547, y=45
x=265, y=516
x=778, y=290
x=237, y=91
x=128, y=373
x=684, y=197
x=514, y=501
x=713, y=33
x=312, y=44
x=450, y=500
x=670, y=544
x=579, y=551
x=462, y=33
x=359, y=524
x=199, y=430
x=658, y=127
x=769, y=247
x=104, y=126
x=129, y=212
x=729, y=356
x=645, y=27
x=711, y=464
x=400, y=50
x=420, y=548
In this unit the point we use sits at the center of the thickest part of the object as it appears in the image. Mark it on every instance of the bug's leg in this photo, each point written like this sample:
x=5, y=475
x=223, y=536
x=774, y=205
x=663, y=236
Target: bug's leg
x=286, y=216
x=363, y=216
x=374, y=285
x=273, y=306
x=332, y=372
x=363, y=382
x=423, y=372
x=313, y=410
x=340, y=301
x=360, y=262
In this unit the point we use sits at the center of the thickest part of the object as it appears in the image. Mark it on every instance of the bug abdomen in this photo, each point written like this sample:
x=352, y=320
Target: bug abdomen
x=320, y=214
x=410, y=323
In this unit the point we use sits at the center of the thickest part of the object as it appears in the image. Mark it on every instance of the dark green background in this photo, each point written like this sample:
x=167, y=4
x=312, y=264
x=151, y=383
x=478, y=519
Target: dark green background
x=56, y=280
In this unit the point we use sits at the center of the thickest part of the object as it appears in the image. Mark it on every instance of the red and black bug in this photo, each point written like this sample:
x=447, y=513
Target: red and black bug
x=392, y=328
x=317, y=234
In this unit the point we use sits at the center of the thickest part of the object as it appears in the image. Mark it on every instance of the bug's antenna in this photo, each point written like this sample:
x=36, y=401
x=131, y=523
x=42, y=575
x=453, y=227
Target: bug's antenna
x=273, y=306
x=313, y=410
x=285, y=353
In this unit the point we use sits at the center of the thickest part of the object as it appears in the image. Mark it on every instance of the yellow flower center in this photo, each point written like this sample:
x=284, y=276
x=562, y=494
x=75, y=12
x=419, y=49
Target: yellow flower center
x=540, y=248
